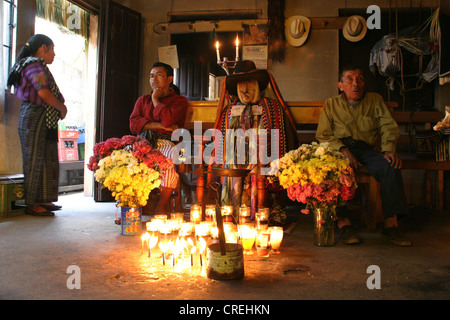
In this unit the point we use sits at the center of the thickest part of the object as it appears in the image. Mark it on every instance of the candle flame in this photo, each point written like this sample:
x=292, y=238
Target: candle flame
x=237, y=41
x=202, y=245
x=145, y=236
x=153, y=241
x=165, y=246
x=217, y=45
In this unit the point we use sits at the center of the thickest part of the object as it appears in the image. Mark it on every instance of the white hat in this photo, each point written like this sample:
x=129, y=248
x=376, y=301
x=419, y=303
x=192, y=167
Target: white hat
x=355, y=28
x=296, y=30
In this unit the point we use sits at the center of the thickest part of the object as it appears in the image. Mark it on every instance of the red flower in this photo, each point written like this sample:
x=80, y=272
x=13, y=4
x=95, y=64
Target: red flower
x=305, y=211
x=141, y=148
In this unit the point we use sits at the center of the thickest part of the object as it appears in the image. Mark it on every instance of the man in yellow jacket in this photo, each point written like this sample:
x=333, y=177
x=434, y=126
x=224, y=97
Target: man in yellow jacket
x=351, y=123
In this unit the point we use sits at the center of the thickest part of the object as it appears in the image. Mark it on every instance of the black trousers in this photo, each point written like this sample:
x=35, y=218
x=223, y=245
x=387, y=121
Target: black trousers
x=392, y=192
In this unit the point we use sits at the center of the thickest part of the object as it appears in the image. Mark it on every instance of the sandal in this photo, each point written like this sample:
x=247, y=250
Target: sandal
x=32, y=212
x=52, y=207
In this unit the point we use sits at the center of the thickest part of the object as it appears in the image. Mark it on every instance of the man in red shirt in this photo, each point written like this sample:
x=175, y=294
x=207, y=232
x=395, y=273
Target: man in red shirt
x=155, y=116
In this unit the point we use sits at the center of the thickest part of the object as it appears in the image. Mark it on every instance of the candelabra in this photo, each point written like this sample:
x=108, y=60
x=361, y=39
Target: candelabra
x=225, y=63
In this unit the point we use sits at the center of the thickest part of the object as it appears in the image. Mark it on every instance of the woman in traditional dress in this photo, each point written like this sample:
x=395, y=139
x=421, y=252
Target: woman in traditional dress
x=42, y=107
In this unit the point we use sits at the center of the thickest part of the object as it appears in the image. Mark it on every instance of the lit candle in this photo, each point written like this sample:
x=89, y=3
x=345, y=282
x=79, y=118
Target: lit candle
x=244, y=214
x=202, y=248
x=237, y=48
x=217, y=51
x=153, y=226
x=196, y=214
x=214, y=233
x=144, y=241
x=153, y=241
x=192, y=251
x=227, y=213
x=247, y=234
x=202, y=229
x=185, y=229
x=276, y=236
x=210, y=212
x=262, y=243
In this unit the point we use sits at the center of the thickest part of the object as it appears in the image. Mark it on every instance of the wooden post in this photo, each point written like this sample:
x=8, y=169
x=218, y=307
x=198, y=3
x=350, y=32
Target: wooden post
x=221, y=233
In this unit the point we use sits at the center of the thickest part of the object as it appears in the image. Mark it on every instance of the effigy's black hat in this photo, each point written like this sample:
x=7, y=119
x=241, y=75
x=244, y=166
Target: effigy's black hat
x=246, y=70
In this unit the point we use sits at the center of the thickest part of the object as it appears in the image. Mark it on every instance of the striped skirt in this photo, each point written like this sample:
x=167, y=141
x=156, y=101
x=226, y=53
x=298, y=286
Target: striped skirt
x=39, y=156
x=171, y=178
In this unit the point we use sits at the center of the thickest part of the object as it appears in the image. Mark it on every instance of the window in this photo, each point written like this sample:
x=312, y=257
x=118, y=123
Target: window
x=9, y=25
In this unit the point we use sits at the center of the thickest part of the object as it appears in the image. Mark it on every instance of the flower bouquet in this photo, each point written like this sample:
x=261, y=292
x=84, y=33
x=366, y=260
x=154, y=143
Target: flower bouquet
x=129, y=167
x=319, y=177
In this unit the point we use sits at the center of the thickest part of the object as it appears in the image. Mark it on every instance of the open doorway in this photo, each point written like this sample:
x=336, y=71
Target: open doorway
x=74, y=32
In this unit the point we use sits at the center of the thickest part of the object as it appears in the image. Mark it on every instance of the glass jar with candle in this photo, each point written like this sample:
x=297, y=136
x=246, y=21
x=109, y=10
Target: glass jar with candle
x=247, y=234
x=262, y=243
x=152, y=226
x=202, y=229
x=210, y=212
x=227, y=213
x=262, y=219
x=177, y=219
x=161, y=217
x=185, y=229
x=276, y=236
x=244, y=214
x=166, y=240
x=196, y=213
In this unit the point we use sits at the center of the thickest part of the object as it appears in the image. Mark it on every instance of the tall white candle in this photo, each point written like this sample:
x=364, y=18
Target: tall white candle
x=237, y=48
x=217, y=51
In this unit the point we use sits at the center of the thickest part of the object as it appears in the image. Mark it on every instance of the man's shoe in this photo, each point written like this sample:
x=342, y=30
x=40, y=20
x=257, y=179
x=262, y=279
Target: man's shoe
x=394, y=236
x=349, y=235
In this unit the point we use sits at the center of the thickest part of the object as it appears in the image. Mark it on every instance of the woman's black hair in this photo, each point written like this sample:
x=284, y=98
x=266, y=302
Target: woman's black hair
x=28, y=50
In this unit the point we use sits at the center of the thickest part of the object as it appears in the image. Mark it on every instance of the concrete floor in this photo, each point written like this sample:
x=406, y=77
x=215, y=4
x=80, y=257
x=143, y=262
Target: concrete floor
x=36, y=253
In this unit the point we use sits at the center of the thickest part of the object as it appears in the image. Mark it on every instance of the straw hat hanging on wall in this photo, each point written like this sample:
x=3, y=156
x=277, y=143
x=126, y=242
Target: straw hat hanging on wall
x=355, y=28
x=297, y=30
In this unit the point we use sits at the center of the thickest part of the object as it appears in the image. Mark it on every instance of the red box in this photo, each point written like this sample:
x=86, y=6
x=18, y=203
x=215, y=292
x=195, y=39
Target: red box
x=67, y=149
x=67, y=155
x=73, y=134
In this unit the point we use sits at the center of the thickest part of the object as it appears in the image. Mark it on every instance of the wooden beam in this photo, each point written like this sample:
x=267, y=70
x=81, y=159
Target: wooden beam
x=203, y=26
x=318, y=23
x=327, y=23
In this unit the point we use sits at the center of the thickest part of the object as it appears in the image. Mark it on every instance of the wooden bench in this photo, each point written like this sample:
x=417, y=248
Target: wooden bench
x=306, y=115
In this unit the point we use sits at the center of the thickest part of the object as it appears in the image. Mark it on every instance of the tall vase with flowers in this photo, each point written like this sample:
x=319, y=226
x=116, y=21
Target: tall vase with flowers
x=130, y=168
x=321, y=178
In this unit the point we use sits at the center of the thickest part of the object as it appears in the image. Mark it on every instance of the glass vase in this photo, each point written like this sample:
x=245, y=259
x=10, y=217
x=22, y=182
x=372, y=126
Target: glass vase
x=324, y=217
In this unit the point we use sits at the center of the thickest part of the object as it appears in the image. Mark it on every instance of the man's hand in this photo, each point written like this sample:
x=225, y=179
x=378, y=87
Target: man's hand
x=171, y=128
x=393, y=159
x=354, y=163
x=156, y=95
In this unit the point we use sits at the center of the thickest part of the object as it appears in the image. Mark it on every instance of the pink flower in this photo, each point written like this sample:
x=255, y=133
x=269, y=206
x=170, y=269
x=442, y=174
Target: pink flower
x=305, y=211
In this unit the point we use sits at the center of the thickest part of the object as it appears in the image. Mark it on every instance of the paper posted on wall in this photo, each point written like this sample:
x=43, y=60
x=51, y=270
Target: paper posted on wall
x=169, y=55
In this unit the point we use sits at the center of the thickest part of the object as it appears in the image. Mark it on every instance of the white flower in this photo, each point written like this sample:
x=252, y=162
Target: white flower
x=320, y=151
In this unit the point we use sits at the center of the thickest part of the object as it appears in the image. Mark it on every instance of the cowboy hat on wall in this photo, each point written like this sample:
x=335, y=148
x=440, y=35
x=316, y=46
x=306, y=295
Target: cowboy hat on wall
x=296, y=30
x=355, y=28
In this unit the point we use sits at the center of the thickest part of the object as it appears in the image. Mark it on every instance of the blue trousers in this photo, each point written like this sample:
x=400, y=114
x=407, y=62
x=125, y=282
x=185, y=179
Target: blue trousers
x=392, y=192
